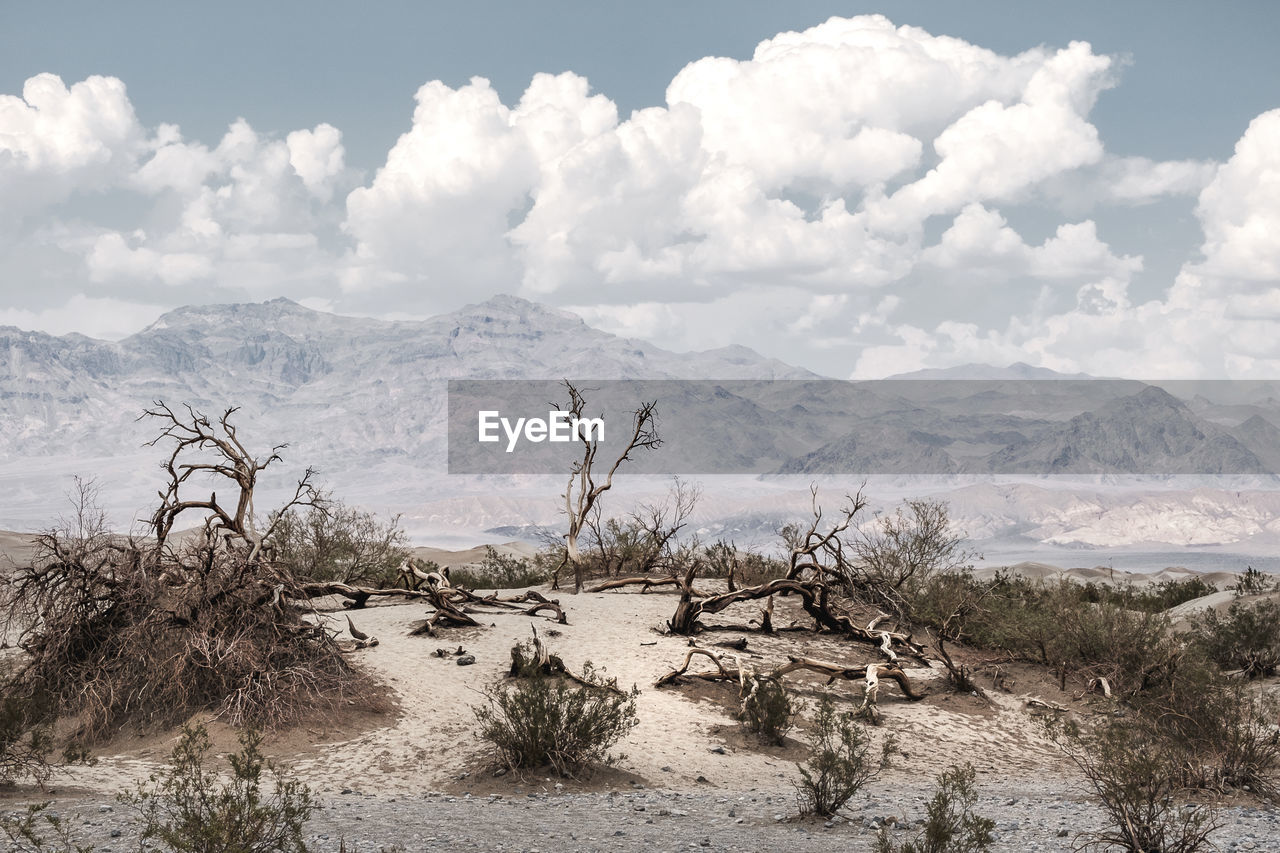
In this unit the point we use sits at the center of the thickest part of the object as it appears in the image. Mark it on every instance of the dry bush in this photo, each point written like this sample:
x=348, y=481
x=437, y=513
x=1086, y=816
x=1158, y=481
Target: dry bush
x=1246, y=637
x=38, y=830
x=897, y=554
x=951, y=825
x=740, y=568
x=26, y=736
x=148, y=631
x=502, y=571
x=190, y=808
x=769, y=711
x=543, y=717
x=841, y=761
x=330, y=541
x=1138, y=783
x=1215, y=729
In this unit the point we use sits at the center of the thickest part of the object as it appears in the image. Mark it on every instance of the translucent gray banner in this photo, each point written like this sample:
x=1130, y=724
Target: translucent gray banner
x=897, y=427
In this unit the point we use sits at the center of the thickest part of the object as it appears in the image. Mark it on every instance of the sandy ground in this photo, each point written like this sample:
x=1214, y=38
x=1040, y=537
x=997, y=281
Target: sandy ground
x=687, y=738
x=418, y=779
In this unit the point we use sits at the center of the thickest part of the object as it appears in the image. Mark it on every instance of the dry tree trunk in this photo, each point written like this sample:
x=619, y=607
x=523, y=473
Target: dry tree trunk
x=814, y=600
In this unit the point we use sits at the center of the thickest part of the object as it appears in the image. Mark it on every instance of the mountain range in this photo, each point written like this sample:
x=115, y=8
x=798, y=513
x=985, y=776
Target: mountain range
x=363, y=400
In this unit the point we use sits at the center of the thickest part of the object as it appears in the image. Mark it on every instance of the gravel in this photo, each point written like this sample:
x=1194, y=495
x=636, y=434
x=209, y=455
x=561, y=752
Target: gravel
x=653, y=821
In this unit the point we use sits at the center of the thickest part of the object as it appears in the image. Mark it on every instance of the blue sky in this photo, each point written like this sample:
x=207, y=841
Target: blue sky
x=859, y=199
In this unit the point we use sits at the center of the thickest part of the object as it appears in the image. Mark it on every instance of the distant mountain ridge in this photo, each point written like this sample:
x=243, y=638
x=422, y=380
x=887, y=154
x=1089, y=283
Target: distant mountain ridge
x=364, y=401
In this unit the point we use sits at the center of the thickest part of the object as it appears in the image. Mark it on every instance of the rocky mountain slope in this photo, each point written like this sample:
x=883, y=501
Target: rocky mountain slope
x=364, y=401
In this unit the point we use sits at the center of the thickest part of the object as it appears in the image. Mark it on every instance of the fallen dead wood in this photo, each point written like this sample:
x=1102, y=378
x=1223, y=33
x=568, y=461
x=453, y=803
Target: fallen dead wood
x=720, y=674
x=851, y=673
x=866, y=673
x=815, y=599
x=645, y=582
x=541, y=661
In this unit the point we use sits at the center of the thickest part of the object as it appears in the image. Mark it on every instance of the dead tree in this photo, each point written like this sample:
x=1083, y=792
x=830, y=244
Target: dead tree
x=195, y=433
x=644, y=541
x=582, y=490
x=814, y=597
x=148, y=631
x=822, y=554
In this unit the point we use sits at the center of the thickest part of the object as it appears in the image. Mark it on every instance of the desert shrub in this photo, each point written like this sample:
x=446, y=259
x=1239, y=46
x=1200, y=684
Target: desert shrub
x=951, y=825
x=1138, y=784
x=746, y=568
x=769, y=710
x=37, y=830
x=26, y=738
x=1246, y=637
x=1253, y=582
x=1152, y=598
x=335, y=542
x=501, y=571
x=1131, y=649
x=188, y=808
x=1213, y=728
x=896, y=554
x=538, y=719
x=1049, y=623
x=145, y=632
x=841, y=761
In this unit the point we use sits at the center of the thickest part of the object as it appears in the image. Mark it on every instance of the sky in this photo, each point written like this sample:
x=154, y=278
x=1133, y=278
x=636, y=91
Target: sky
x=859, y=188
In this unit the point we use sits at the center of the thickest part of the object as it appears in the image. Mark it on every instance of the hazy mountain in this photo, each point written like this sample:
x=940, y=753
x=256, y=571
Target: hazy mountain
x=364, y=401
x=1017, y=370
x=1262, y=438
x=1150, y=432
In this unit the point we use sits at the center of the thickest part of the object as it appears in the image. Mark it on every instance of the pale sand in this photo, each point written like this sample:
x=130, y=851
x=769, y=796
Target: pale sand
x=431, y=743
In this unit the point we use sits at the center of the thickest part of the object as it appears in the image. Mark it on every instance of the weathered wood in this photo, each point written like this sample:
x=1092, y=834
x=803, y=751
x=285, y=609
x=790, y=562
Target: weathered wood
x=644, y=582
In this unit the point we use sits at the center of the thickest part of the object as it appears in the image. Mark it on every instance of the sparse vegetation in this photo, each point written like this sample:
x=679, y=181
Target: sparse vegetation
x=544, y=717
x=187, y=808
x=330, y=541
x=1245, y=638
x=120, y=631
x=501, y=571
x=769, y=711
x=1253, y=582
x=39, y=830
x=841, y=761
x=951, y=826
x=1138, y=783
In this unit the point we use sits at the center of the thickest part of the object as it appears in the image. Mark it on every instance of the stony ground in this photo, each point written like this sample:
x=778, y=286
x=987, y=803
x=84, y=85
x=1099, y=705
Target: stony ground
x=641, y=819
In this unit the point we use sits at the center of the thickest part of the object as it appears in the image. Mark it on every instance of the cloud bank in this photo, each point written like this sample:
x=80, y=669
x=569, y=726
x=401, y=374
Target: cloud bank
x=862, y=198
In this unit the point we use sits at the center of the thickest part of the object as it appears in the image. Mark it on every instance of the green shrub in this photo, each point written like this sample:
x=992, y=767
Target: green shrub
x=768, y=711
x=1246, y=638
x=840, y=761
x=187, y=808
x=1138, y=782
x=549, y=720
x=335, y=542
x=951, y=825
x=501, y=571
x=37, y=830
x=26, y=739
x=1253, y=582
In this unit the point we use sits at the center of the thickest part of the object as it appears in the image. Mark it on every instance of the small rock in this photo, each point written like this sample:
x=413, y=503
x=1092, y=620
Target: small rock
x=466, y=660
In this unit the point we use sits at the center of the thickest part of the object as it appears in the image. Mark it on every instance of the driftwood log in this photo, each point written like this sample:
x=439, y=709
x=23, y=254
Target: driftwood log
x=869, y=674
x=815, y=599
